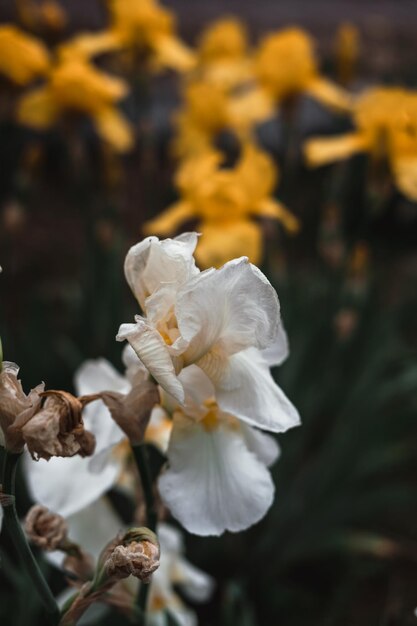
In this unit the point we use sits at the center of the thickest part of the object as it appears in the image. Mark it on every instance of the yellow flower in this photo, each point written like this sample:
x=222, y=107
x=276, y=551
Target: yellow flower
x=88, y=45
x=149, y=28
x=224, y=202
x=76, y=86
x=286, y=66
x=222, y=54
x=22, y=57
x=208, y=110
x=386, y=127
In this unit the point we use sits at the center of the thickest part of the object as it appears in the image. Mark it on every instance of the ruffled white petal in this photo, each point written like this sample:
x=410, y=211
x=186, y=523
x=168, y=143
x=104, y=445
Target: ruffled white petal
x=198, y=388
x=278, y=351
x=134, y=368
x=264, y=446
x=153, y=352
x=247, y=390
x=227, y=310
x=152, y=263
x=213, y=483
x=67, y=485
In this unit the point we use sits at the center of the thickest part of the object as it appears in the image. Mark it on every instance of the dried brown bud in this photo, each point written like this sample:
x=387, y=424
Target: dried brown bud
x=58, y=428
x=45, y=529
x=16, y=408
x=132, y=411
x=136, y=553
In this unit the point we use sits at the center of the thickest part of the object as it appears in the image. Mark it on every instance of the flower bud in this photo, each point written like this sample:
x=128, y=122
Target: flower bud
x=58, y=428
x=45, y=529
x=16, y=408
x=136, y=553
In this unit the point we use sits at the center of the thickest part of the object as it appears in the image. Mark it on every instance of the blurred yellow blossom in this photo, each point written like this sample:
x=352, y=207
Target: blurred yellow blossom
x=76, y=86
x=386, y=128
x=22, y=56
x=224, y=203
x=223, y=54
x=208, y=110
x=88, y=45
x=286, y=66
x=47, y=15
x=150, y=28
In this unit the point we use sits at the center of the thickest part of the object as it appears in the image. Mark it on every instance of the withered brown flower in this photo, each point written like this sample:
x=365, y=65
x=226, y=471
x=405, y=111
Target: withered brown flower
x=45, y=529
x=16, y=408
x=58, y=428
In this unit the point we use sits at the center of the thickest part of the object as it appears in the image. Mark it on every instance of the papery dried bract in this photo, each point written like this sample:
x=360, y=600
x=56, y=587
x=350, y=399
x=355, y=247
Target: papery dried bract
x=132, y=411
x=45, y=529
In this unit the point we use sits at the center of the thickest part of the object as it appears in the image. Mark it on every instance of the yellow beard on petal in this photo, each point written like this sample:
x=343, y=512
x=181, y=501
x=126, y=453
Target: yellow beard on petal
x=157, y=603
x=214, y=417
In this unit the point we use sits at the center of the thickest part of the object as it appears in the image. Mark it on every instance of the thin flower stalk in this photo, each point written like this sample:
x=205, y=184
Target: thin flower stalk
x=12, y=523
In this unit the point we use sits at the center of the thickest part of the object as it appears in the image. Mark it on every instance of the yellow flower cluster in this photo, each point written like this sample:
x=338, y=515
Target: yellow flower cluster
x=73, y=85
x=225, y=202
x=386, y=128
x=228, y=88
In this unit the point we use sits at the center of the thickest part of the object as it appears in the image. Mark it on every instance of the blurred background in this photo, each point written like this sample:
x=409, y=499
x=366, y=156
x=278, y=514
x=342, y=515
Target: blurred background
x=339, y=546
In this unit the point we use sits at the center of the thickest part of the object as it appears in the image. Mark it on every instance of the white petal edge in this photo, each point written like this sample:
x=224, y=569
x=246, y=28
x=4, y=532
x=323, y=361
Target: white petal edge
x=247, y=390
x=67, y=485
x=279, y=350
x=227, y=310
x=264, y=446
x=152, y=263
x=213, y=483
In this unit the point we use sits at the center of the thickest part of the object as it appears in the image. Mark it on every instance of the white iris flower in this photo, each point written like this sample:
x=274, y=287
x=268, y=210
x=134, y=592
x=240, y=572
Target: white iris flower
x=220, y=320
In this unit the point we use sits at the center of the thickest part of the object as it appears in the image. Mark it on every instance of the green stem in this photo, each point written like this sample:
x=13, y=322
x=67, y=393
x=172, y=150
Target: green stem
x=13, y=526
x=141, y=460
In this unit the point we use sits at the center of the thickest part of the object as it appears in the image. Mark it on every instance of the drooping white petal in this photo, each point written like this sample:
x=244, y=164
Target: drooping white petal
x=227, y=310
x=153, y=352
x=247, y=390
x=196, y=585
x=264, y=446
x=276, y=353
x=92, y=528
x=152, y=263
x=92, y=377
x=213, y=483
x=183, y=616
x=99, y=375
x=67, y=485
x=171, y=539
